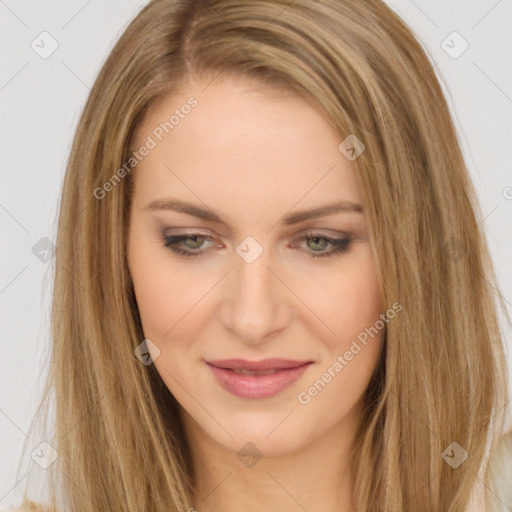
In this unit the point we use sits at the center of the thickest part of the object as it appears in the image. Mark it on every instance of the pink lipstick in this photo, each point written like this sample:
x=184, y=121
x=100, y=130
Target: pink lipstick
x=257, y=379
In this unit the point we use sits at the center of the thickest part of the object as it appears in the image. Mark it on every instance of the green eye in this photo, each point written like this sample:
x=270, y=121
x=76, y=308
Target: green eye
x=320, y=242
x=197, y=241
x=172, y=243
x=192, y=244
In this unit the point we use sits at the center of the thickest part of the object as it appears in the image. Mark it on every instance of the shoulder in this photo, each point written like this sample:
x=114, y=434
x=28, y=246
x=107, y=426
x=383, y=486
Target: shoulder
x=497, y=480
x=28, y=506
x=501, y=475
x=477, y=501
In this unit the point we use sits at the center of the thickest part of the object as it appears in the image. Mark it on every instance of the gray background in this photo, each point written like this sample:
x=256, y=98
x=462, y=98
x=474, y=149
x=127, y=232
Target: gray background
x=40, y=101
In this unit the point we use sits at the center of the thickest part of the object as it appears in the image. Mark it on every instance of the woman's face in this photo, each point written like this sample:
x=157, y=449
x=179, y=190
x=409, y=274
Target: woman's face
x=250, y=274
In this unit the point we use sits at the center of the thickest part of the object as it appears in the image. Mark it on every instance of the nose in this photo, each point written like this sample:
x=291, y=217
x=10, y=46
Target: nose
x=256, y=302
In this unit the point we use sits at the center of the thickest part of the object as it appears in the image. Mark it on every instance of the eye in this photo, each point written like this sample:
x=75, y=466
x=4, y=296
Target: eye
x=192, y=244
x=197, y=240
x=318, y=243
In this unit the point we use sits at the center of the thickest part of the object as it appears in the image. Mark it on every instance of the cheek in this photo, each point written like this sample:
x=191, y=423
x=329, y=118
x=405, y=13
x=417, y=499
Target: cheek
x=350, y=301
x=352, y=311
x=171, y=299
x=152, y=301
x=154, y=290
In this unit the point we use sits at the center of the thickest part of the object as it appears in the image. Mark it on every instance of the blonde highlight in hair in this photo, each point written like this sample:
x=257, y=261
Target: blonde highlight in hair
x=442, y=374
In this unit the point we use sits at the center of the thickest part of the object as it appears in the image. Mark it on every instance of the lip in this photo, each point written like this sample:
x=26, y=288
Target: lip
x=265, y=364
x=257, y=386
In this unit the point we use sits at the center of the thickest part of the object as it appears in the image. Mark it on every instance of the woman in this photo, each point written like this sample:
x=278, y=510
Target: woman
x=329, y=339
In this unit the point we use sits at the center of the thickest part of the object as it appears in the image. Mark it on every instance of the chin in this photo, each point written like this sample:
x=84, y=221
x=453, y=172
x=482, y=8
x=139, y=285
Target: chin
x=272, y=437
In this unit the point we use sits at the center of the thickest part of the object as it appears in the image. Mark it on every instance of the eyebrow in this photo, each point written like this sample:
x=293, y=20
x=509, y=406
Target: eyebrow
x=293, y=218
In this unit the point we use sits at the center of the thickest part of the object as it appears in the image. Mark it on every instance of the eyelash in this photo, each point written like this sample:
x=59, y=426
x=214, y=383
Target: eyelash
x=340, y=245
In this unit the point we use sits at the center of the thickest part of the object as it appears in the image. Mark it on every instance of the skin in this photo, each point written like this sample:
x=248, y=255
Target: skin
x=254, y=157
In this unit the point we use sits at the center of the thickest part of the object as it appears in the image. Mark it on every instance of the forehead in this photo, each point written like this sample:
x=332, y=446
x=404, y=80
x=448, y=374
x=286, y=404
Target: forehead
x=268, y=149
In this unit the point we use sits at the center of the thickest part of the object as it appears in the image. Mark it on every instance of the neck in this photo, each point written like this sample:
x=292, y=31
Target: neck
x=316, y=477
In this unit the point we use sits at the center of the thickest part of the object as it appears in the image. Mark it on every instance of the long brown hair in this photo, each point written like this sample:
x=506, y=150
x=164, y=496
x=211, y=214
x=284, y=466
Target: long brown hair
x=441, y=380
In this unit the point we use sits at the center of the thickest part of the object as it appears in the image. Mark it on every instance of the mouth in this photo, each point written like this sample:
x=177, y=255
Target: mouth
x=266, y=365
x=257, y=379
